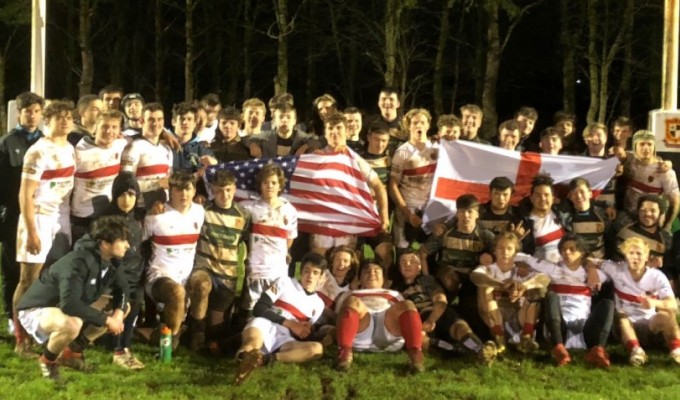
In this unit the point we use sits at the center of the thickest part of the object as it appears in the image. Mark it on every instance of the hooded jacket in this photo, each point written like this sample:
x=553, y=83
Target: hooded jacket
x=76, y=281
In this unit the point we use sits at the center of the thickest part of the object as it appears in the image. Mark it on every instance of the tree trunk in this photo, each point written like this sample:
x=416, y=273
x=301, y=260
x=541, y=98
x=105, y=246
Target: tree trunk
x=121, y=45
x=456, y=65
x=393, y=9
x=189, y=57
x=87, y=73
x=247, y=40
x=593, y=62
x=493, y=56
x=158, y=55
x=235, y=56
x=627, y=72
x=3, y=105
x=567, y=37
x=340, y=55
x=438, y=84
x=281, y=79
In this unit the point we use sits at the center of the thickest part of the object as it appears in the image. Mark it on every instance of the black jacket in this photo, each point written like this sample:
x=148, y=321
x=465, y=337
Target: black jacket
x=76, y=281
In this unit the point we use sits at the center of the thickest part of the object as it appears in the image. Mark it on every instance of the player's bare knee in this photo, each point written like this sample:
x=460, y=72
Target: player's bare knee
x=353, y=303
x=315, y=350
x=72, y=327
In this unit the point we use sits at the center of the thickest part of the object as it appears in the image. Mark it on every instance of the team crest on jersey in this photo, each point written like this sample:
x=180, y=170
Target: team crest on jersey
x=285, y=220
x=274, y=289
x=650, y=179
x=195, y=225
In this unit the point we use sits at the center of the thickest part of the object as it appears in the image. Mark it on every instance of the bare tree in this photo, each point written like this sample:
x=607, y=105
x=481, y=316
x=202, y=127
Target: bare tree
x=495, y=47
x=86, y=14
x=13, y=16
x=604, y=43
x=444, y=33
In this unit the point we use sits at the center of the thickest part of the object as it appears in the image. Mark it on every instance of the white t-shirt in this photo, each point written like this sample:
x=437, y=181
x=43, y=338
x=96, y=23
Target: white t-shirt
x=96, y=169
x=271, y=228
x=292, y=302
x=149, y=162
x=628, y=294
x=547, y=234
x=414, y=170
x=174, y=236
x=53, y=167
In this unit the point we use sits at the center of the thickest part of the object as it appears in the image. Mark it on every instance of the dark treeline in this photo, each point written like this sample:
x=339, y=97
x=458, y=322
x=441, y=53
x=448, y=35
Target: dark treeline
x=597, y=58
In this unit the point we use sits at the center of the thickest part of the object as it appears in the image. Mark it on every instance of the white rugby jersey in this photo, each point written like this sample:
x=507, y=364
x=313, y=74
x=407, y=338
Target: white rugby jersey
x=149, y=162
x=375, y=300
x=292, y=302
x=495, y=272
x=414, y=170
x=329, y=290
x=570, y=286
x=96, y=168
x=174, y=236
x=271, y=228
x=52, y=166
x=547, y=234
x=646, y=179
x=628, y=294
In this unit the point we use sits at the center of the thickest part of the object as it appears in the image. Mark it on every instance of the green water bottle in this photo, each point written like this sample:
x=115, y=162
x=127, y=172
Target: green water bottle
x=166, y=345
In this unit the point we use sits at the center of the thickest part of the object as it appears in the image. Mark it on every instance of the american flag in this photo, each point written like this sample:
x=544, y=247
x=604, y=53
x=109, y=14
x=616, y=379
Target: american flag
x=328, y=190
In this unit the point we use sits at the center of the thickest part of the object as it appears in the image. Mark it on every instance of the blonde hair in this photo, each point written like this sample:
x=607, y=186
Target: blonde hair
x=634, y=241
x=508, y=236
x=406, y=121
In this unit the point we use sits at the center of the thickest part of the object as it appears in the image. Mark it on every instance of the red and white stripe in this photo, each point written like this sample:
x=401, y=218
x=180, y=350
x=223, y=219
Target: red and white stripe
x=96, y=168
x=174, y=236
x=332, y=196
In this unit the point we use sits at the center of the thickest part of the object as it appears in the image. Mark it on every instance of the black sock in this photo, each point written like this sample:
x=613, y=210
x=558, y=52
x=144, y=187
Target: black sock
x=79, y=344
x=49, y=355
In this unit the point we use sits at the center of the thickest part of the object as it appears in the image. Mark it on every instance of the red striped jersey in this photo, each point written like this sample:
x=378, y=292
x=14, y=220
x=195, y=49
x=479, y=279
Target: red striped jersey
x=52, y=166
x=174, y=236
x=629, y=294
x=375, y=300
x=96, y=168
x=547, y=234
x=270, y=230
x=329, y=290
x=569, y=285
x=414, y=170
x=646, y=179
x=150, y=163
x=292, y=302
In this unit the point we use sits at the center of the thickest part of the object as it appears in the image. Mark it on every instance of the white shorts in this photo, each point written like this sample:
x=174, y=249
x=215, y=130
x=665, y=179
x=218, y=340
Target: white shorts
x=30, y=320
x=376, y=337
x=273, y=335
x=47, y=227
x=328, y=242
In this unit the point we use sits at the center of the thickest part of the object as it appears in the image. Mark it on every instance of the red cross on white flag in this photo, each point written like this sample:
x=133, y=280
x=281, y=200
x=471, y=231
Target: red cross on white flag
x=468, y=168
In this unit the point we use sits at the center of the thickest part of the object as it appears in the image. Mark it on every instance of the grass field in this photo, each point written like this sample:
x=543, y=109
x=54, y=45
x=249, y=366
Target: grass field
x=373, y=376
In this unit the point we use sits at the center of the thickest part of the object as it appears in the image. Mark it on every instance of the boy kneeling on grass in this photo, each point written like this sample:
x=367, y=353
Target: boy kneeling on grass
x=284, y=315
x=66, y=308
x=645, y=304
x=510, y=295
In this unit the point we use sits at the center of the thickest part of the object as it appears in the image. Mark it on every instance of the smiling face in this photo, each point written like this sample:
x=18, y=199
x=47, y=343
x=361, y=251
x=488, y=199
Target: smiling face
x=60, y=125
x=471, y=123
x=580, y=197
x=508, y=139
x=388, y=104
x=542, y=198
x=341, y=265
x=107, y=131
x=649, y=214
x=409, y=266
x=336, y=135
x=185, y=125
x=371, y=277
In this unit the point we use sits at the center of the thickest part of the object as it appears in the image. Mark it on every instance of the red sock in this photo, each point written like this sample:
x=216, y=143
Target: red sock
x=497, y=330
x=19, y=332
x=528, y=329
x=348, y=326
x=411, y=329
x=673, y=344
x=68, y=353
x=631, y=344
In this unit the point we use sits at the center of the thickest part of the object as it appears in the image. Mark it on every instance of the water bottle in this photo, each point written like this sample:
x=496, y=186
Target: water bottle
x=166, y=345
